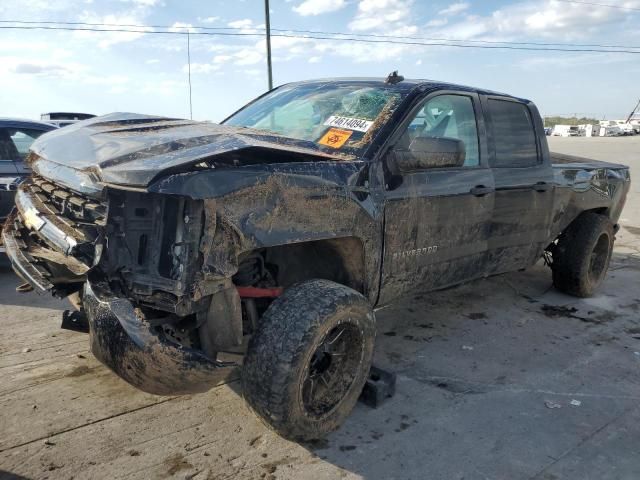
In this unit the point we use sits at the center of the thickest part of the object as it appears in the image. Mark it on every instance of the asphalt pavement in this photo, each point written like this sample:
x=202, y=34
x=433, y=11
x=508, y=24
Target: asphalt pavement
x=503, y=378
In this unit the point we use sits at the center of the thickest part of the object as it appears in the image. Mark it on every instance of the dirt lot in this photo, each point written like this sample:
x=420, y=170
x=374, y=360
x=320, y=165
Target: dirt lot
x=503, y=378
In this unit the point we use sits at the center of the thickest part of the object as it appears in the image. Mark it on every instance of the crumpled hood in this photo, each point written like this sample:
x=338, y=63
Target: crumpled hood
x=132, y=150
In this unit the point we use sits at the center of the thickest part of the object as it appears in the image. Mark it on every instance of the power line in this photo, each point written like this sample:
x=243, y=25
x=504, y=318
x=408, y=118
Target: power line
x=125, y=30
x=460, y=45
x=201, y=27
x=624, y=50
x=404, y=37
x=260, y=31
x=620, y=7
x=132, y=25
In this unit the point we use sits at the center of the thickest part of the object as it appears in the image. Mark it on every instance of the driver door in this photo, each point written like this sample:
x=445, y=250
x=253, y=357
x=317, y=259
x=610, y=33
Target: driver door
x=437, y=218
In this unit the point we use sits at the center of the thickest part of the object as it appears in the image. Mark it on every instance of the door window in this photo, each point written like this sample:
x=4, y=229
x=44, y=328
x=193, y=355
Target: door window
x=513, y=133
x=446, y=116
x=22, y=138
x=7, y=148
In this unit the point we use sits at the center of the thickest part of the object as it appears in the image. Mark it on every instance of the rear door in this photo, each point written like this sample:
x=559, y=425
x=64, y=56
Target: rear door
x=437, y=219
x=523, y=181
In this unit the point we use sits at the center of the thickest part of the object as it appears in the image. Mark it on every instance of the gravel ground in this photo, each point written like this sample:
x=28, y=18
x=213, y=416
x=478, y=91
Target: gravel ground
x=502, y=378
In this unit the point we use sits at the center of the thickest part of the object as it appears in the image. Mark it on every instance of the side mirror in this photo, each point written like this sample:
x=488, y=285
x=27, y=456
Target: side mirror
x=430, y=152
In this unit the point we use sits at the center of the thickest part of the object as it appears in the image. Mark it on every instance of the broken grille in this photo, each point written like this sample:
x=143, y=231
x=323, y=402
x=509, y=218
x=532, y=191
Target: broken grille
x=67, y=203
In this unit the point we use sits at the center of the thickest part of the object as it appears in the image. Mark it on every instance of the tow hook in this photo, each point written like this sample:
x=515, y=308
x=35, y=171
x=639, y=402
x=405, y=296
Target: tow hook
x=24, y=288
x=255, y=292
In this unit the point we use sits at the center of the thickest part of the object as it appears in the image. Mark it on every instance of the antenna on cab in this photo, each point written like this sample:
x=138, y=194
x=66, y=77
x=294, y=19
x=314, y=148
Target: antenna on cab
x=394, y=78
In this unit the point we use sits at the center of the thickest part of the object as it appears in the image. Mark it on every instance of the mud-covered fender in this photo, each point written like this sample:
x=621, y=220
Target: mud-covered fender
x=277, y=204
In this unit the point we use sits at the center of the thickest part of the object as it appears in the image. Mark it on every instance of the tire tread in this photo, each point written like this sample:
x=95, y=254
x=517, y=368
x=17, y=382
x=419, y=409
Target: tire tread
x=280, y=342
x=570, y=258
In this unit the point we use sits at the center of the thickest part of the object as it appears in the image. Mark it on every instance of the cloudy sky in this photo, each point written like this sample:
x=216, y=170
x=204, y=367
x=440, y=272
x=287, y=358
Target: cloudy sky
x=102, y=72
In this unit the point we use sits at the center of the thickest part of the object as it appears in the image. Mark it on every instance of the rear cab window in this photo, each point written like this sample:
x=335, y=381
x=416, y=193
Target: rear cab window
x=513, y=134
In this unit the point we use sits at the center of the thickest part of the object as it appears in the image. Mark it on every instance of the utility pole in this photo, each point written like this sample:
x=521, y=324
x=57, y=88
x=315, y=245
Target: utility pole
x=633, y=112
x=267, y=22
x=189, y=64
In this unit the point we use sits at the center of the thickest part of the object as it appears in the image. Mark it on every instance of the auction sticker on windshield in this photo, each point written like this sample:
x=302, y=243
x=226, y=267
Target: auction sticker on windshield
x=348, y=122
x=335, y=137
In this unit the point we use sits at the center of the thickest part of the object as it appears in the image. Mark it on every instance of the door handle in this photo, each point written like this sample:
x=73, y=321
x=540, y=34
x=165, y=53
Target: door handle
x=541, y=187
x=481, y=190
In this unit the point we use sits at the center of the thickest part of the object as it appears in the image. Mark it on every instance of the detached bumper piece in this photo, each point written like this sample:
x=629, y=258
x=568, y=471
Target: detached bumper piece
x=23, y=263
x=142, y=356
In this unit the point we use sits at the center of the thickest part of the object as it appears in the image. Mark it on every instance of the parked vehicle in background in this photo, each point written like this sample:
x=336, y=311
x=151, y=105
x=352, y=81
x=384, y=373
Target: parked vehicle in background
x=62, y=119
x=275, y=234
x=566, y=131
x=626, y=127
x=548, y=131
x=610, y=131
x=611, y=128
x=590, y=130
x=16, y=136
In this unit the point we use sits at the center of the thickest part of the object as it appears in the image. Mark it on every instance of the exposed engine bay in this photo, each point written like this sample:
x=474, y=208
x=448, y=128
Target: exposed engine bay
x=150, y=248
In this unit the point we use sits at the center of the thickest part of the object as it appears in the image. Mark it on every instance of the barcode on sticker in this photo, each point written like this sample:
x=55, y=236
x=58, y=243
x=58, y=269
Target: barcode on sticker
x=348, y=122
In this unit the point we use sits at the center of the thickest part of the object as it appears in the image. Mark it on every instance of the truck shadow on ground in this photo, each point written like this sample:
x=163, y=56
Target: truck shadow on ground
x=502, y=378
x=9, y=281
x=11, y=476
x=499, y=378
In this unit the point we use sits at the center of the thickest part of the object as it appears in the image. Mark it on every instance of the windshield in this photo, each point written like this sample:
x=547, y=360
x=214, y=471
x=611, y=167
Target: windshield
x=335, y=116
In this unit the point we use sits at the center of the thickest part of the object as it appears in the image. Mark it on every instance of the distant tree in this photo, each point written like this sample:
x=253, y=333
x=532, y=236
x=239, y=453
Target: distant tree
x=556, y=120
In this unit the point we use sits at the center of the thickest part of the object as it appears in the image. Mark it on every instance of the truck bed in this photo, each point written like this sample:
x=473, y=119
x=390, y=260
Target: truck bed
x=584, y=184
x=561, y=160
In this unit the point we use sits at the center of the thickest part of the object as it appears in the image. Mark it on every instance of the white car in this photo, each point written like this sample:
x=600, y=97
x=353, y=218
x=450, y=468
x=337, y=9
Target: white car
x=611, y=131
x=626, y=128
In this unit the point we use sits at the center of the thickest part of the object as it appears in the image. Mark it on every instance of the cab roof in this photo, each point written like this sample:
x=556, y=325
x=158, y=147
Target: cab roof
x=25, y=123
x=408, y=85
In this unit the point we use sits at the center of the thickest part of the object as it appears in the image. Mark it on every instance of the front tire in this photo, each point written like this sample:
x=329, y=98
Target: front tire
x=309, y=359
x=581, y=257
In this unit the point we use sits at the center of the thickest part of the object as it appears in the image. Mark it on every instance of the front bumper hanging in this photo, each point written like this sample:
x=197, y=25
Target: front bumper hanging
x=17, y=252
x=131, y=347
x=47, y=247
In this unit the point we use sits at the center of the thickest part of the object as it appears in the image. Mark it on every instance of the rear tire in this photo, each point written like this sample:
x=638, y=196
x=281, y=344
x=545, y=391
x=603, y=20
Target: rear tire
x=309, y=359
x=582, y=254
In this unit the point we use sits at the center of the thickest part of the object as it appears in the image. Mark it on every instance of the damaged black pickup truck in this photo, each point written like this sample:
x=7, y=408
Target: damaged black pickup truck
x=267, y=241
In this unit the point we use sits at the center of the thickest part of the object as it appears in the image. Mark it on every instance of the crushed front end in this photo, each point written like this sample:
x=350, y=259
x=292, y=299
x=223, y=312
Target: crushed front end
x=135, y=259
